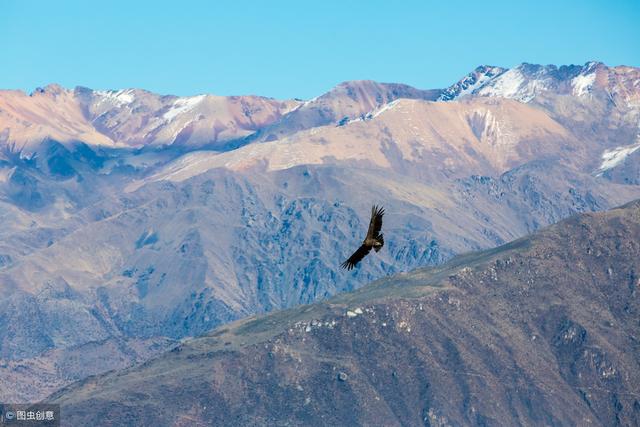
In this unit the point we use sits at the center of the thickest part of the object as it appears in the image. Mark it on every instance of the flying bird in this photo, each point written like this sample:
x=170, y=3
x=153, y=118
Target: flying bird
x=373, y=240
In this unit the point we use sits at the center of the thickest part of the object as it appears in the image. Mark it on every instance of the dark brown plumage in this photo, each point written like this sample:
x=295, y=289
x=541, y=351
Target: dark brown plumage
x=374, y=239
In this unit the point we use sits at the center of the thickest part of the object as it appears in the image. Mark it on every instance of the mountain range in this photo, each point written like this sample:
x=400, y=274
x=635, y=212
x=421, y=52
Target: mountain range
x=133, y=220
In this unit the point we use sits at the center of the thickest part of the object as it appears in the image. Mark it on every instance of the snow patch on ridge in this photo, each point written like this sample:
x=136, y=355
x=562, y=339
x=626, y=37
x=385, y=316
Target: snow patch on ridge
x=309, y=101
x=119, y=97
x=181, y=106
x=470, y=83
x=473, y=86
x=583, y=83
x=371, y=114
x=612, y=158
x=507, y=85
x=513, y=84
x=384, y=108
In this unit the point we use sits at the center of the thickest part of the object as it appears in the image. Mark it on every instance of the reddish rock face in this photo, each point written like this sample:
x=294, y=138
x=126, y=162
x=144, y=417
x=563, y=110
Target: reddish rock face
x=540, y=331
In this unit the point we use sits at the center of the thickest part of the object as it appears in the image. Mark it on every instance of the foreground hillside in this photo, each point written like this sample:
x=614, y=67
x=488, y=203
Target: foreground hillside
x=541, y=331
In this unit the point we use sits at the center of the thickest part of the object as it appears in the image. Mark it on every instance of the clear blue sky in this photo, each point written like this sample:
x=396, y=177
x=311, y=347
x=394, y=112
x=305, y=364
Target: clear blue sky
x=298, y=48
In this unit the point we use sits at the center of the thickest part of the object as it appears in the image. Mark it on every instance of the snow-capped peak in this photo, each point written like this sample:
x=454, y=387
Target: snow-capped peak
x=116, y=97
x=582, y=84
x=471, y=82
x=525, y=82
x=520, y=83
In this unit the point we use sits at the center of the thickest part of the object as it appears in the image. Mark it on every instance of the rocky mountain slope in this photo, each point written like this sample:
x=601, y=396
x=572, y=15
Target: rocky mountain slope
x=120, y=237
x=130, y=118
x=542, y=330
x=347, y=101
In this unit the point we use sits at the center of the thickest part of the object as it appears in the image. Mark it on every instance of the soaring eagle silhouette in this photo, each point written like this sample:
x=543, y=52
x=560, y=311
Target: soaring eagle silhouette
x=373, y=240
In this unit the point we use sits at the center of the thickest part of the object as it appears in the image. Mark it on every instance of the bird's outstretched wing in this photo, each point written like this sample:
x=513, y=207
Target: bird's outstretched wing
x=357, y=256
x=375, y=225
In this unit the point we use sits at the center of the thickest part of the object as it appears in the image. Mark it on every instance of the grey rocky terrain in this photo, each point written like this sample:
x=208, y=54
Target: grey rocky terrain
x=540, y=331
